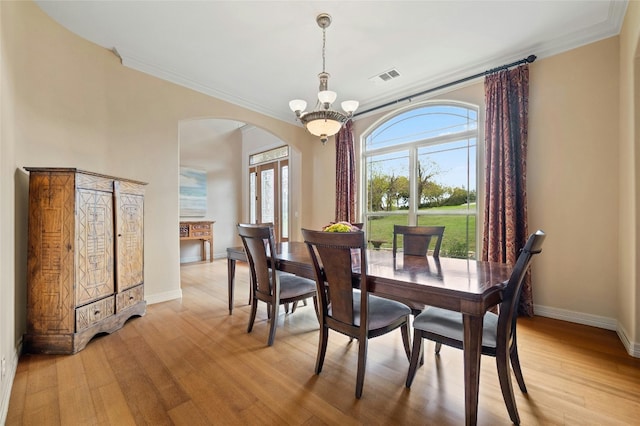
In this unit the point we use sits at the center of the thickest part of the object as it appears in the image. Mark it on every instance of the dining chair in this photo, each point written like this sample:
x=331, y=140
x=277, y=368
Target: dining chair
x=269, y=285
x=499, y=330
x=344, y=303
x=416, y=240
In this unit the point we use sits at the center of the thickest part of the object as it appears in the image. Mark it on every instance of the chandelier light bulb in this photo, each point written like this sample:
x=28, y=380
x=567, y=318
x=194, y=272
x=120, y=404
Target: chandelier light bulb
x=297, y=106
x=327, y=97
x=350, y=106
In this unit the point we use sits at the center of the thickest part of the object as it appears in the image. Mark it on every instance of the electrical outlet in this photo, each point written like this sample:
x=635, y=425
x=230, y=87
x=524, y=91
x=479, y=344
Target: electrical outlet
x=3, y=367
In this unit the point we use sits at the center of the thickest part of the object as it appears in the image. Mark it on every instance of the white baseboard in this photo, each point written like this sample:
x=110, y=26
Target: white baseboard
x=190, y=259
x=577, y=317
x=633, y=348
x=163, y=297
x=7, y=383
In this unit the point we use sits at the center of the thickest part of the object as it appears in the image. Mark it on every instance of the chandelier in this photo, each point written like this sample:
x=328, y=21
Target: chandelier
x=323, y=121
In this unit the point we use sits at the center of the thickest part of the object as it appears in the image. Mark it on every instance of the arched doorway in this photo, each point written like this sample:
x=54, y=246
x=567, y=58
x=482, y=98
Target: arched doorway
x=222, y=149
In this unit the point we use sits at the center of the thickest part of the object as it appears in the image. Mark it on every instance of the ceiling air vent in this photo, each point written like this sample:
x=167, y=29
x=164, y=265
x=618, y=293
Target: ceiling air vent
x=385, y=76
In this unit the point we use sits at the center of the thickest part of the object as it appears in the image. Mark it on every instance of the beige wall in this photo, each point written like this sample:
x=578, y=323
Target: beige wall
x=7, y=236
x=572, y=180
x=629, y=211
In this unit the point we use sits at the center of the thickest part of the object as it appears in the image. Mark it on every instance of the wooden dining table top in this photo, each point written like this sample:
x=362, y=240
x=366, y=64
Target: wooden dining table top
x=444, y=282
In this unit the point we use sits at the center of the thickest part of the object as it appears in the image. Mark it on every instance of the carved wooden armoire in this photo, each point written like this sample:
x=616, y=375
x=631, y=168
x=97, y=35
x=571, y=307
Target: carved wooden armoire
x=85, y=257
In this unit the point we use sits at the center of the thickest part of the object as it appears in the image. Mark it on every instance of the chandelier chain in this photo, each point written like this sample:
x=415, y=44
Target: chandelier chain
x=324, y=43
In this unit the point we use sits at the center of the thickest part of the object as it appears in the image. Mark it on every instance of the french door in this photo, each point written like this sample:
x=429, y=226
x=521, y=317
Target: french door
x=269, y=196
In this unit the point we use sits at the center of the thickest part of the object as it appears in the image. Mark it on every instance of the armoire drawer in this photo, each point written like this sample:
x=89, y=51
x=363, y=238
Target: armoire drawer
x=94, y=312
x=129, y=297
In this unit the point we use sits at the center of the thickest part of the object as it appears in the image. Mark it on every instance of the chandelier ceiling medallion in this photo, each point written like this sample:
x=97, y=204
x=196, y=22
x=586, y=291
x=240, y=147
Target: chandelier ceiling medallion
x=323, y=121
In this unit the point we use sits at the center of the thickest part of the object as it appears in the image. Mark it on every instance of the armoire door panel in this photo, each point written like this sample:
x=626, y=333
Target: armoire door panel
x=50, y=256
x=94, y=246
x=130, y=235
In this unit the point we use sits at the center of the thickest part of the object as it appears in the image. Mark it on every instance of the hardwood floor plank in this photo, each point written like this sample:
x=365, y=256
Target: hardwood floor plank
x=188, y=414
x=111, y=405
x=189, y=362
x=42, y=372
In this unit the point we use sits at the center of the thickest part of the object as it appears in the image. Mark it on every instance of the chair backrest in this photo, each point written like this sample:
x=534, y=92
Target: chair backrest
x=508, y=314
x=417, y=239
x=331, y=254
x=259, y=242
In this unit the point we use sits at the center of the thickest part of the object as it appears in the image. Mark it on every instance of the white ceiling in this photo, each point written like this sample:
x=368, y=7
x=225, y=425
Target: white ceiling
x=261, y=54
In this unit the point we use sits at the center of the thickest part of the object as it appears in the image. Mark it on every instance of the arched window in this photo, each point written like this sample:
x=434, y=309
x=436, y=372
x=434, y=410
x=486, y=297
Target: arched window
x=419, y=168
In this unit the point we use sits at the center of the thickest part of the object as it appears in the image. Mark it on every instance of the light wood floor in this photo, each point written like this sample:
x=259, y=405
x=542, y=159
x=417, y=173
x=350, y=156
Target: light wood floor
x=188, y=362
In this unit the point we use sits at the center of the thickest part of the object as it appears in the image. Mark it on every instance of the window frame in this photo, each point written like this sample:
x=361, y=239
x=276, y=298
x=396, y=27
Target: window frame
x=414, y=212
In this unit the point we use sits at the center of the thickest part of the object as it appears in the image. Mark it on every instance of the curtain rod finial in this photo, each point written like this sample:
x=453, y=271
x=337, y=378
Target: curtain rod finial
x=531, y=58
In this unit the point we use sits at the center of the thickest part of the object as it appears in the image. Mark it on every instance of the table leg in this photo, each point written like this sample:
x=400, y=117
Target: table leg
x=231, y=274
x=472, y=352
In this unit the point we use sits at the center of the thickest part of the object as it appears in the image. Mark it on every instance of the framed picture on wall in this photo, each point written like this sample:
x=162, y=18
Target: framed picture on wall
x=193, y=192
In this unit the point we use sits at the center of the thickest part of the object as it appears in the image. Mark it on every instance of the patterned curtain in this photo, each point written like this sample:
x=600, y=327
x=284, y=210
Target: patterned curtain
x=505, y=223
x=345, y=175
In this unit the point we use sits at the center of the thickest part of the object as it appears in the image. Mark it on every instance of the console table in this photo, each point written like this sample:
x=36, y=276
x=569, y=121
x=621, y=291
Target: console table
x=202, y=231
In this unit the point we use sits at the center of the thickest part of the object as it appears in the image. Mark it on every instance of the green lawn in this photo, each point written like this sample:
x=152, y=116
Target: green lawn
x=455, y=234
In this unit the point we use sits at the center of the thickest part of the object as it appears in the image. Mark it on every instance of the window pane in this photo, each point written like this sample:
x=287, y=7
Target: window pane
x=252, y=197
x=379, y=229
x=459, y=234
x=446, y=175
x=267, y=189
x=270, y=155
x=388, y=182
x=284, y=176
x=422, y=123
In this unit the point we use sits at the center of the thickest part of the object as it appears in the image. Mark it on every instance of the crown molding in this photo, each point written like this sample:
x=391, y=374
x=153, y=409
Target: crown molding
x=137, y=62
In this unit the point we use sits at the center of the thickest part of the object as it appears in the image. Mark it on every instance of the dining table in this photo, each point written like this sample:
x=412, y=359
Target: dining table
x=468, y=286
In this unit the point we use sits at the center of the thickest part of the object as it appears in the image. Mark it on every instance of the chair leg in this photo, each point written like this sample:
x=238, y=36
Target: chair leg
x=286, y=308
x=515, y=364
x=406, y=340
x=252, y=316
x=415, y=313
x=416, y=355
x=295, y=305
x=362, y=365
x=315, y=307
x=322, y=348
x=274, y=322
x=438, y=347
x=504, y=374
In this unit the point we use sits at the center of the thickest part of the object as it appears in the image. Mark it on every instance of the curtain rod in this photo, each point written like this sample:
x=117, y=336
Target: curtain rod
x=526, y=60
